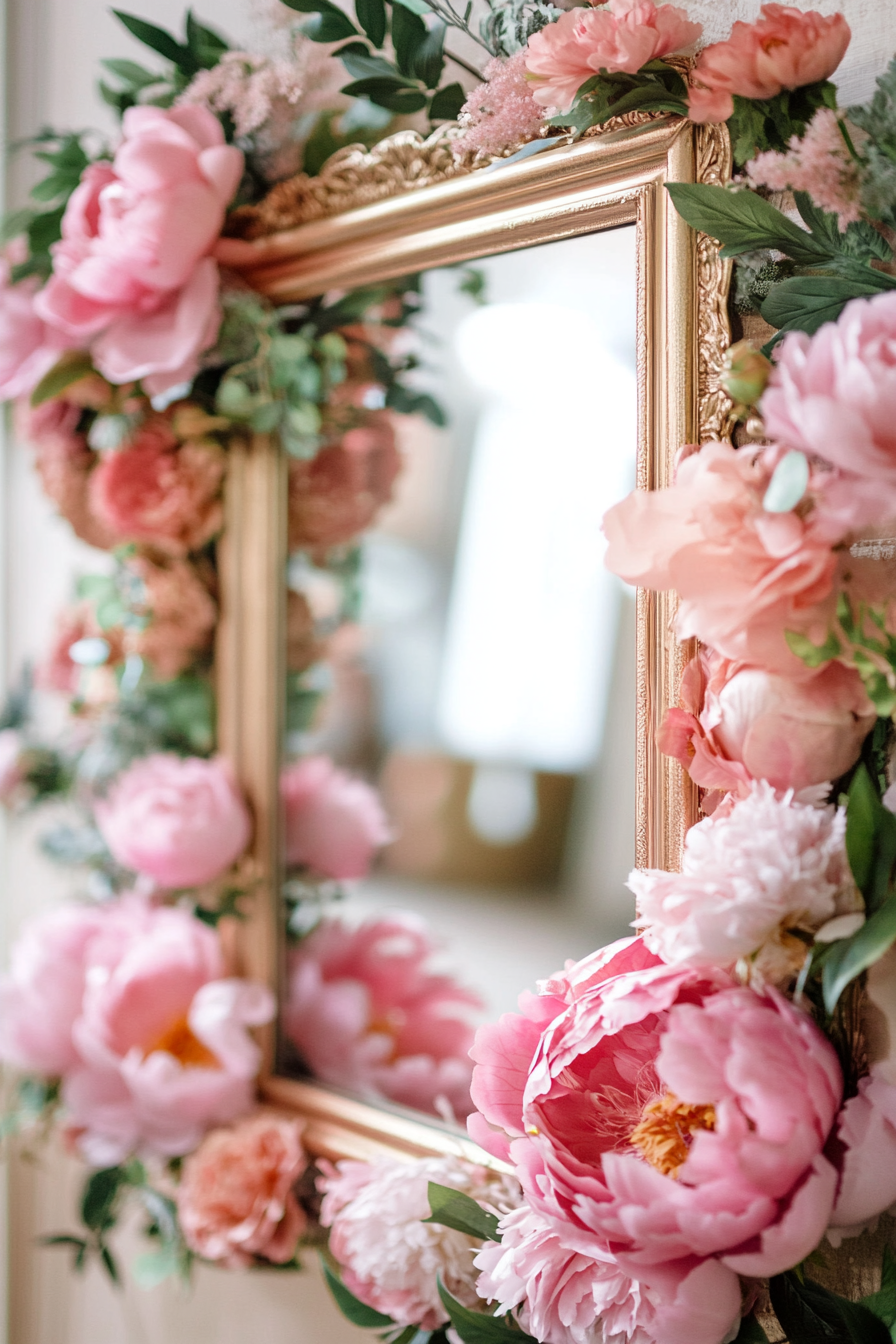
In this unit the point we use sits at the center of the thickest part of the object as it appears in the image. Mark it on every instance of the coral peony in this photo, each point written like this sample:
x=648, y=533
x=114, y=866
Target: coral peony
x=65, y=464
x=501, y=113
x=745, y=576
x=181, y=615
x=833, y=395
x=160, y=491
x=668, y=1118
x=819, y=164
x=389, y=1258
x=178, y=820
x=785, y=49
x=29, y=346
x=339, y=493
x=624, y=36
x=133, y=276
x=368, y=1014
x=236, y=1199
x=333, y=823
x=748, y=877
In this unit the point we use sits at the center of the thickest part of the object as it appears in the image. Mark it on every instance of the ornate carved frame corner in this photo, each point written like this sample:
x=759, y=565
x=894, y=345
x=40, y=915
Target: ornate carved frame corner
x=406, y=206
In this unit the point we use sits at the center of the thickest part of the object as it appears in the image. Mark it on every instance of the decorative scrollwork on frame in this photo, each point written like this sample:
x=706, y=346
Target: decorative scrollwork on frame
x=714, y=413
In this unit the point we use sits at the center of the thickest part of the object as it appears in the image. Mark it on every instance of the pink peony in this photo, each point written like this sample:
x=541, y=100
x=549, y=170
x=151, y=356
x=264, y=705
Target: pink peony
x=624, y=36
x=867, y=1131
x=29, y=346
x=669, y=1118
x=182, y=615
x=501, y=113
x=133, y=275
x=64, y=463
x=368, y=1014
x=389, y=1258
x=333, y=823
x=820, y=164
x=159, y=491
x=181, y=821
x=744, y=576
x=748, y=876
x=785, y=49
x=236, y=1201
x=339, y=492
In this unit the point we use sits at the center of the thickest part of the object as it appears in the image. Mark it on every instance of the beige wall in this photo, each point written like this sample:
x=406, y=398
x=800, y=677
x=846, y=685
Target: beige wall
x=52, y=52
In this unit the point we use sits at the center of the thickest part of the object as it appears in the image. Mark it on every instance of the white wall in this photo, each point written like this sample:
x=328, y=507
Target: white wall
x=52, y=54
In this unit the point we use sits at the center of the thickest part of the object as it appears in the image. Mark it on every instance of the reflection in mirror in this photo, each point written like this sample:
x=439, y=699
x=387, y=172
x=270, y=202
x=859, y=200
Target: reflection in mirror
x=458, y=778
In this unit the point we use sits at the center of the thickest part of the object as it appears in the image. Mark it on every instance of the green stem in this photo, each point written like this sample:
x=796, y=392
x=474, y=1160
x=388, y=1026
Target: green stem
x=464, y=65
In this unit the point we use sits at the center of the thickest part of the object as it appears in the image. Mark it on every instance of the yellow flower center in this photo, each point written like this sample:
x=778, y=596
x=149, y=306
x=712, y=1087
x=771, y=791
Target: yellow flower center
x=178, y=1040
x=666, y=1128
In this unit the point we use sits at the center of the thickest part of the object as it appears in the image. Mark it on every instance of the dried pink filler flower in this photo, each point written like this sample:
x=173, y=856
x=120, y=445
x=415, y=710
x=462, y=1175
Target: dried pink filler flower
x=247, y=87
x=819, y=164
x=501, y=112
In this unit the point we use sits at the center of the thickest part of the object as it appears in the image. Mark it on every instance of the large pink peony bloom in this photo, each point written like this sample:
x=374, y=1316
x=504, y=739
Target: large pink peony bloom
x=389, y=1258
x=624, y=36
x=834, y=395
x=785, y=49
x=236, y=1201
x=744, y=576
x=29, y=346
x=133, y=276
x=178, y=820
x=368, y=1014
x=333, y=823
x=669, y=1118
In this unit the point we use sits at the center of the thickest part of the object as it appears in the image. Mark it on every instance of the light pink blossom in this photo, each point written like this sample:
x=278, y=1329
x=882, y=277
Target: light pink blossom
x=29, y=346
x=785, y=48
x=235, y=1198
x=749, y=875
x=501, y=113
x=179, y=820
x=623, y=36
x=367, y=1013
x=12, y=775
x=819, y=163
x=668, y=1117
x=333, y=823
x=247, y=86
x=133, y=276
x=389, y=1258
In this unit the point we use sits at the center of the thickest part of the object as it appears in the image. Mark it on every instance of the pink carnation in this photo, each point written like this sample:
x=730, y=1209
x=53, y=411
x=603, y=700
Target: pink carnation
x=785, y=49
x=624, y=36
x=744, y=576
x=389, y=1258
x=179, y=820
x=159, y=491
x=133, y=276
x=368, y=1014
x=29, y=346
x=668, y=1118
x=501, y=113
x=748, y=876
x=236, y=1197
x=819, y=164
x=333, y=823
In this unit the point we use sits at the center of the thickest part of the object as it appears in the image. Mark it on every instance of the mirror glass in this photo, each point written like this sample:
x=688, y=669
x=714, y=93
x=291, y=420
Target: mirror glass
x=469, y=659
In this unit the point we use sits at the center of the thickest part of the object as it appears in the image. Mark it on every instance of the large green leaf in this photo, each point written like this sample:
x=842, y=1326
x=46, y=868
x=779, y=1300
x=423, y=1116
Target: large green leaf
x=447, y=103
x=452, y=1208
x=474, y=1327
x=357, y=1312
x=810, y=1314
x=750, y=1332
x=99, y=1197
x=883, y=1302
x=429, y=61
x=743, y=221
x=392, y=93
x=70, y=369
x=372, y=18
x=205, y=44
x=363, y=64
x=806, y=302
x=870, y=839
x=157, y=39
x=408, y=36
x=850, y=957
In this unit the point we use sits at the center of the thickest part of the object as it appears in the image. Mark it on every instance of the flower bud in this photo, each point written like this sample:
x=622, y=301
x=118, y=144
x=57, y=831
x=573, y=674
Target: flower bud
x=745, y=373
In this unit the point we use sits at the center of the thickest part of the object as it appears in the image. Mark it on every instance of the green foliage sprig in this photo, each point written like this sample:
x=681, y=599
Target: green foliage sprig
x=201, y=49
x=760, y=124
x=66, y=156
x=657, y=87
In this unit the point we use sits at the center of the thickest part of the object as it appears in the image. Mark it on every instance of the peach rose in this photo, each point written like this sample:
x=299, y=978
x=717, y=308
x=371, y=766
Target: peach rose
x=182, y=616
x=236, y=1198
x=339, y=493
x=785, y=49
x=624, y=36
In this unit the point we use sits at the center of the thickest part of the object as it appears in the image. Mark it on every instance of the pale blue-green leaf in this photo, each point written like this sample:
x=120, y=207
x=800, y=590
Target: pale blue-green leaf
x=788, y=483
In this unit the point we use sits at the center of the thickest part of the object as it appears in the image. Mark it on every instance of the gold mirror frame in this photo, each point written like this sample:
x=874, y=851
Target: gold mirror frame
x=603, y=181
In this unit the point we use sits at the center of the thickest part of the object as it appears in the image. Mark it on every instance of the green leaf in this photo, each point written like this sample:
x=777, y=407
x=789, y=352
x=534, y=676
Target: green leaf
x=400, y=399
x=883, y=1302
x=850, y=957
x=750, y=1332
x=362, y=64
x=447, y=103
x=70, y=369
x=372, y=18
x=393, y=94
x=330, y=25
x=806, y=302
x=154, y=1267
x=157, y=39
x=15, y=223
x=870, y=839
x=415, y=6
x=356, y=1312
x=743, y=222
x=266, y=417
x=429, y=61
x=475, y=1327
x=62, y=1239
x=109, y=1264
x=452, y=1208
x=205, y=44
x=810, y=1314
x=131, y=73
x=50, y=188
x=408, y=36
x=99, y=1197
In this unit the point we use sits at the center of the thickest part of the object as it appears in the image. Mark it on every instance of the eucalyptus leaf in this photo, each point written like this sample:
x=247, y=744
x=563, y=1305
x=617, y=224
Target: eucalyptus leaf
x=154, y=1267
x=851, y=956
x=356, y=1312
x=415, y=6
x=743, y=222
x=475, y=1327
x=788, y=484
x=452, y=1208
x=806, y=302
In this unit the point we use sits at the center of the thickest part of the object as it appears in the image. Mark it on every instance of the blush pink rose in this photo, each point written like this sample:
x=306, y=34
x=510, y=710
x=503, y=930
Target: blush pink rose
x=179, y=820
x=785, y=49
x=340, y=491
x=744, y=576
x=236, y=1198
x=133, y=276
x=332, y=822
x=160, y=491
x=667, y=1117
x=624, y=36
x=367, y=1013
x=29, y=346
x=161, y=1036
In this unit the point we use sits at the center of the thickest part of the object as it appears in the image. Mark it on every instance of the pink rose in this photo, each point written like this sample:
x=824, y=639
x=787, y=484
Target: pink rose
x=179, y=820
x=159, y=491
x=744, y=576
x=333, y=823
x=182, y=615
x=29, y=346
x=133, y=275
x=367, y=1013
x=741, y=723
x=669, y=1118
x=340, y=491
x=624, y=36
x=236, y=1198
x=785, y=49
x=161, y=1036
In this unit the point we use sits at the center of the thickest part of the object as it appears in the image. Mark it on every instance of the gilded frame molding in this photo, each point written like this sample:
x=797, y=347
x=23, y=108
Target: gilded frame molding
x=600, y=182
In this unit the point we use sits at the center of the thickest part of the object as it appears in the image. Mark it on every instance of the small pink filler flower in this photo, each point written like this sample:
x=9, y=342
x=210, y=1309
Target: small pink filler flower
x=333, y=823
x=501, y=113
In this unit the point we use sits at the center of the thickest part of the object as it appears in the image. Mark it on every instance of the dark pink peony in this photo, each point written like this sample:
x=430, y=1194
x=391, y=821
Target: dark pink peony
x=333, y=823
